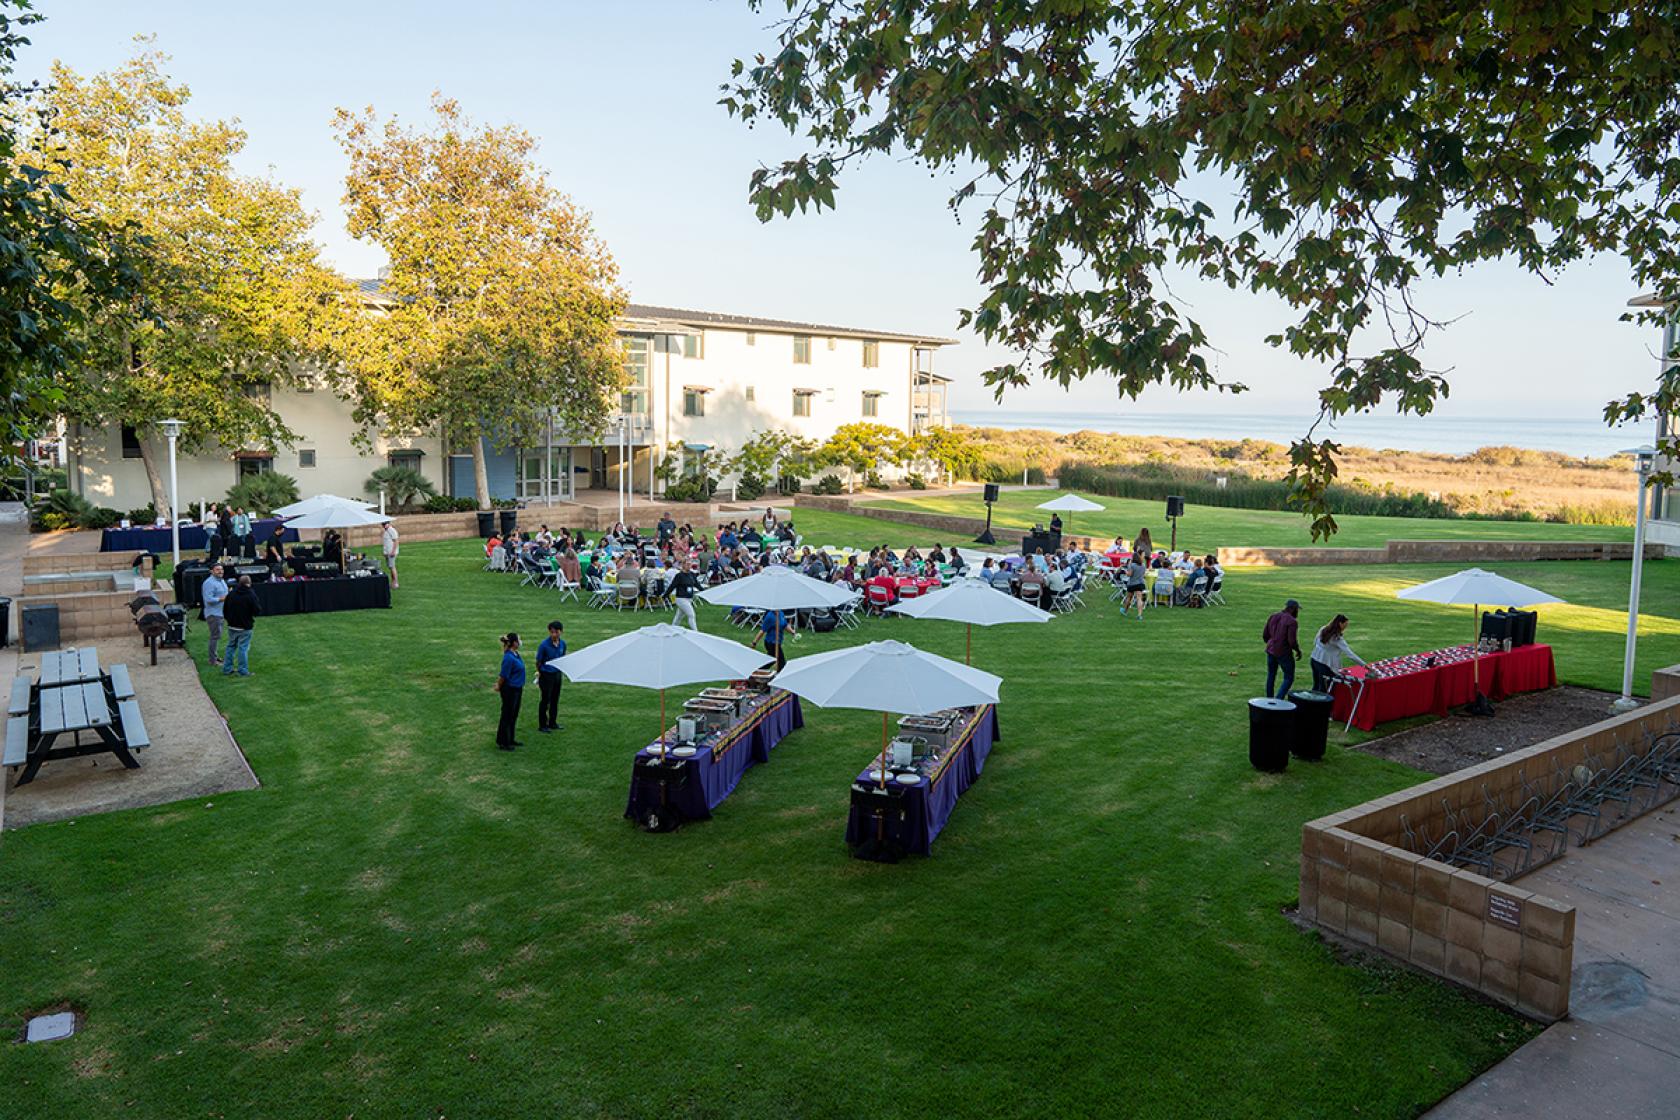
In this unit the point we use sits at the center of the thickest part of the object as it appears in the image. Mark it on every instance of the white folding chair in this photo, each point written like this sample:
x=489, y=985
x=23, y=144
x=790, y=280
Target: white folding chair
x=568, y=588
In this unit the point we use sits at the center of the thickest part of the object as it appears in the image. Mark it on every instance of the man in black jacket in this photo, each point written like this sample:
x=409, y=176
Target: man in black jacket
x=241, y=610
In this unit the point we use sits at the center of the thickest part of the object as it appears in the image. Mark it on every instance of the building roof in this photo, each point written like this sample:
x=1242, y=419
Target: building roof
x=669, y=317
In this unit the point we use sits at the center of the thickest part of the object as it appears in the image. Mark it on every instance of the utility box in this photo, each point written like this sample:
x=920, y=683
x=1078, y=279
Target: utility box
x=40, y=627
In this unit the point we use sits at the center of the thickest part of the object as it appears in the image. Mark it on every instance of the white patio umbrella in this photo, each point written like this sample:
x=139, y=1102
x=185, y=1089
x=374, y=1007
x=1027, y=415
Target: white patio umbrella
x=778, y=589
x=974, y=603
x=887, y=677
x=1477, y=588
x=1071, y=503
x=660, y=656
x=336, y=517
x=320, y=502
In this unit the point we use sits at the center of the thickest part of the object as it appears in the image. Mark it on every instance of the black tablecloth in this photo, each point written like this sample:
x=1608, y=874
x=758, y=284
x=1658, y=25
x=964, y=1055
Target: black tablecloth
x=194, y=538
x=296, y=596
x=1045, y=542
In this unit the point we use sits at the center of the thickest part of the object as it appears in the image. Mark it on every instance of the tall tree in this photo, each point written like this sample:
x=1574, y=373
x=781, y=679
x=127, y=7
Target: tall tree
x=503, y=299
x=230, y=299
x=863, y=447
x=1367, y=145
x=55, y=259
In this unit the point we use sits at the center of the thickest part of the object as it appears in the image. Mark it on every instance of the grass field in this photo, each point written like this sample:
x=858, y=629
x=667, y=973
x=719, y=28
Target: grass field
x=1206, y=528
x=405, y=921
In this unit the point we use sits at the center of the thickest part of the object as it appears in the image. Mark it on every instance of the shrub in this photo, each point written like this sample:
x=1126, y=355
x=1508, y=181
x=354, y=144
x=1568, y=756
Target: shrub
x=788, y=484
x=874, y=481
x=438, y=503
x=53, y=478
x=690, y=490
x=262, y=494
x=102, y=517
x=750, y=488
x=145, y=515
x=502, y=503
x=52, y=521
x=916, y=481
x=827, y=484
x=67, y=502
x=403, y=486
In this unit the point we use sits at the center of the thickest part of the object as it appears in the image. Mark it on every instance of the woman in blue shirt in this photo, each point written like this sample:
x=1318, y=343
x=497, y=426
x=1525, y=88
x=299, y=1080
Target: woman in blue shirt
x=511, y=684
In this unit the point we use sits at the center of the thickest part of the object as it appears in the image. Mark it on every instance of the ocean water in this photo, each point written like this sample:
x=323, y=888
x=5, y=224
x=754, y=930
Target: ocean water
x=1455, y=435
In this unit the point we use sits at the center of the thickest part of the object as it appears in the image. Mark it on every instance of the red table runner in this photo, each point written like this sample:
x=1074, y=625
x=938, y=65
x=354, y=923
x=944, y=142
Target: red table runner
x=1434, y=690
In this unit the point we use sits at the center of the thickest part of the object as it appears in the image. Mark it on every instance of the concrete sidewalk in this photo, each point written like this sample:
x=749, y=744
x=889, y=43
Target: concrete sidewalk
x=1619, y=1052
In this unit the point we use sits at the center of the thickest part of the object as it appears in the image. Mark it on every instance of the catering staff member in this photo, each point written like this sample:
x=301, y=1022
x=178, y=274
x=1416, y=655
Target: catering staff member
x=683, y=586
x=510, y=682
x=1282, y=648
x=549, y=678
x=1328, y=650
x=773, y=628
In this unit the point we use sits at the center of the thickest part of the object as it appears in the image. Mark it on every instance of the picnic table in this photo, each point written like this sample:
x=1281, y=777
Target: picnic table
x=72, y=697
x=71, y=666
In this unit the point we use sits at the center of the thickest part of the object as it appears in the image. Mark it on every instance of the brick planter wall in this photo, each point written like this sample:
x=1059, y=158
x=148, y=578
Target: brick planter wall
x=1359, y=881
x=1438, y=552
x=90, y=615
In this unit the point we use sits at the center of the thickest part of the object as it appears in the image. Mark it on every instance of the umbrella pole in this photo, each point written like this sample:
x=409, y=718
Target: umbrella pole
x=968, y=646
x=662, y=723
x=1476, y=644
x=883, y=750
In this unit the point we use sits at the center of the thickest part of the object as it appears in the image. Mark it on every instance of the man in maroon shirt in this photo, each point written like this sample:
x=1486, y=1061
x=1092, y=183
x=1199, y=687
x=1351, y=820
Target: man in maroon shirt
x=1280, y=636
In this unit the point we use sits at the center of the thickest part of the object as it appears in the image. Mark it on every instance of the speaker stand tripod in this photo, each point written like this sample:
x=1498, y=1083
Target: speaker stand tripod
x=985, y=536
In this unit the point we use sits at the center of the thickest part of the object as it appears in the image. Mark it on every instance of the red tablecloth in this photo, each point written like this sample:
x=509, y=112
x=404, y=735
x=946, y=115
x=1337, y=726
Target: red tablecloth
x=1525, y=669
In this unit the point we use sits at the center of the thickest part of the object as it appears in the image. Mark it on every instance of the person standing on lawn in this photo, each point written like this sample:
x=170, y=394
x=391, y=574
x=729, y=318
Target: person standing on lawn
x=683, y=587
x=773, y=628
x=241, y=611
x=549, y=678
x=1329, y=649
x=1283, y=647
x=215, y=593
x=388, y=545
x=510, y=682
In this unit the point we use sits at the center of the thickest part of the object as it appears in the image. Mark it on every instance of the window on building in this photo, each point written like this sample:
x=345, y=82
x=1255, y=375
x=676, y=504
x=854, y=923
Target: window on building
x=404, y=458
x=306, y=457
x=638, y=358
x=801, y=349
x=130, y=443
x=871, y=404
x=261, y=392
x=694, y=401
x=752, y=394
x=802, y=402
x=871, y=354
x=250, y=465
x=693, y=346
x=752, y=338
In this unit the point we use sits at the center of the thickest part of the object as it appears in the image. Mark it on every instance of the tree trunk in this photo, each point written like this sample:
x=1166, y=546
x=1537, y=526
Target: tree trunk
x=481, y=474
x=154, y=476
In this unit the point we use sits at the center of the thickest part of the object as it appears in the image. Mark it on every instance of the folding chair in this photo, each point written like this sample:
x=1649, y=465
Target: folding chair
x=629, y=594
x=1161, y=591
x=1212, y=594
x=568, y=589
x=877, y=598
x=601, y=593
x=847, y=612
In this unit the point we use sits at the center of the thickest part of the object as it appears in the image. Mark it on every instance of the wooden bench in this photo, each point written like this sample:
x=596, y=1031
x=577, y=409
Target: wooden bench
x=17, y=741
x=121, y=687
x=133, y=727
x=20, y=696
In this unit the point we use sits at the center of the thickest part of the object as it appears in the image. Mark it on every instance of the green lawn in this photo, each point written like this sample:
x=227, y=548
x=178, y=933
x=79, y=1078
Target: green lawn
x=1206, y=528
x=404, y=921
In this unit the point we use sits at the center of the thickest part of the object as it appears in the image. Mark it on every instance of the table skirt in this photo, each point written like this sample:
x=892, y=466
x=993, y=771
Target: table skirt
x=695, y=786
x=928, y=806
x=1434, y=691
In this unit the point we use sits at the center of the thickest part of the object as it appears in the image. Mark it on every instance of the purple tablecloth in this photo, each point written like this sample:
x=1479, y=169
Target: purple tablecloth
x=926, y=807
x=695, y=786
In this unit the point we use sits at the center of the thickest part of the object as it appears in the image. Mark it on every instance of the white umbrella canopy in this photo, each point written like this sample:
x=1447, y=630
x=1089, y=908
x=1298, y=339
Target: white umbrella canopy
x=778, y=589
x=1071, y=503
x=974, y=603
x=660, y=656
x=320, y=502
x=1476, y=588
x=887, y=677
x=340, y=517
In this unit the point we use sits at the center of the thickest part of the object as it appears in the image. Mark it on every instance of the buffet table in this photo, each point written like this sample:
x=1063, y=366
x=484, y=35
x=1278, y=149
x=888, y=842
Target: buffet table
x=689, y=788
x=1434, y=689
x=194, y=538
x=907, y=817
x=295, y=596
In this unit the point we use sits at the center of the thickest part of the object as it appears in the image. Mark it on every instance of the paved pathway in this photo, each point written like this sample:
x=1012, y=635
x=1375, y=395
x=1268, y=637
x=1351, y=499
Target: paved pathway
x=1618, y=1055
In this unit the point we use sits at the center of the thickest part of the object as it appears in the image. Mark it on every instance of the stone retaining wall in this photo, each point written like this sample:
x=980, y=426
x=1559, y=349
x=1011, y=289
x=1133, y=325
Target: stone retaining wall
x=1438, y=552
x=86, y=616
x=1359, y=881
x=966, y=528
x=46, y=564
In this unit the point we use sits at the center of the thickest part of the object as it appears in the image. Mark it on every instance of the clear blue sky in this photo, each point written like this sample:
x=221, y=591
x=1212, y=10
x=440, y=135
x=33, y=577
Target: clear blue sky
x=622, y=96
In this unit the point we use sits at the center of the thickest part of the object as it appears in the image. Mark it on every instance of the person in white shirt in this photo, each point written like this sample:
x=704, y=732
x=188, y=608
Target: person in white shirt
x=388, y=545
x=1329, y=648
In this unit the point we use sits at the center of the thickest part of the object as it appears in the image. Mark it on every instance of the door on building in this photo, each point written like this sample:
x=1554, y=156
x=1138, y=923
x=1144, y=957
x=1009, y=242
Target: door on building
x=550, y=481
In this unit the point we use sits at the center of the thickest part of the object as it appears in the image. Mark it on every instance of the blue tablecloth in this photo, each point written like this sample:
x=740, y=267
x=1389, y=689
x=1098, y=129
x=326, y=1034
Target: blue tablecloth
x=926, y=807
x=695, y=786
x=194, y=538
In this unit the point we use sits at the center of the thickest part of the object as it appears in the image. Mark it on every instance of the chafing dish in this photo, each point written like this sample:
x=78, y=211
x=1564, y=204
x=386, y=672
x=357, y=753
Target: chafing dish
x=713, y=714
x=938, y=728
x=737, y=698
x=759, y=680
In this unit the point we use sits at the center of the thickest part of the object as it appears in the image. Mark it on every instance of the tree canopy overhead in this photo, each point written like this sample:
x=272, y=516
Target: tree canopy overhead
x=503, y=300
x=1367, y=146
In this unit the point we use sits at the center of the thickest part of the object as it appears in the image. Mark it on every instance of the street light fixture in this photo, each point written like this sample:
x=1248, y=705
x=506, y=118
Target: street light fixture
x=1644, y=463
x=172, y=429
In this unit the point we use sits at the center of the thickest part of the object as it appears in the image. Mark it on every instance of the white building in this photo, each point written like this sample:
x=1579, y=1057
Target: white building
x=696, y=378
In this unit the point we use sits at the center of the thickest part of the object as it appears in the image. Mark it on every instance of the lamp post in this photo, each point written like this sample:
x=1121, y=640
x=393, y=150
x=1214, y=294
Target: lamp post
x=1644, y=462
x=172, y=430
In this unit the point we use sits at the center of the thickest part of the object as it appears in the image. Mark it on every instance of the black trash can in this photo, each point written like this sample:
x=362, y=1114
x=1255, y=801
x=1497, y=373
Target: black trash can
x=510, y=521
x=1312, y=724
x=5, y=622
x=1271, y=728
x=486, y=523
